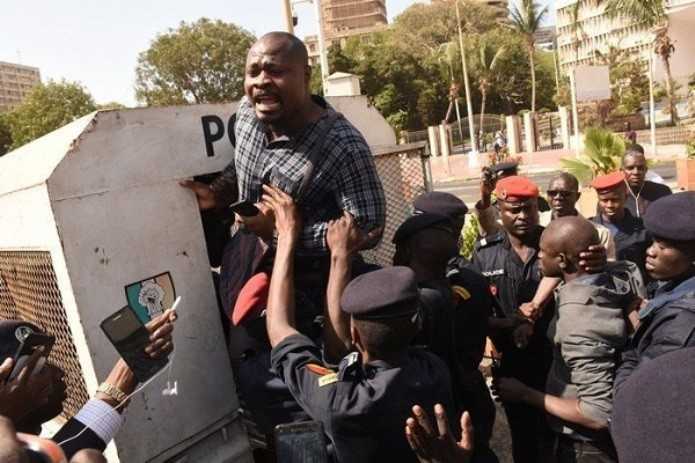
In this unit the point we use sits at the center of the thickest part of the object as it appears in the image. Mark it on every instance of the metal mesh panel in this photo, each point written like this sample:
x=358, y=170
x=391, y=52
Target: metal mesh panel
x=404, y=176
x=29, y=292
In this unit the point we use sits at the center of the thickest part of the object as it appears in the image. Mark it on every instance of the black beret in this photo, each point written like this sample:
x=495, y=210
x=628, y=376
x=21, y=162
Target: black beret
x=419, y=222
x=505, y=167
x=440, y=202
x=672, y=217
x=12, y=333
x=381, y=294
x=654, y=410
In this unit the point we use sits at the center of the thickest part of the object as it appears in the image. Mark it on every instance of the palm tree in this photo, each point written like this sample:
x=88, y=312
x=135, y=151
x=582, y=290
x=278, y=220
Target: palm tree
x=603, y=153
x=487, y=63
x=526, y=18
x=653, y=15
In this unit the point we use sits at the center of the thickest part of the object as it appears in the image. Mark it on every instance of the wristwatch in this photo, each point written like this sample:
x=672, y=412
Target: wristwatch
x=113, y=392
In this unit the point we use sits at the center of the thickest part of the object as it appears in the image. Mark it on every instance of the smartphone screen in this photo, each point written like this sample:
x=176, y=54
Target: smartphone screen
x=301, y=443
x=244, y=208
x=27, y=347
x=129, y=336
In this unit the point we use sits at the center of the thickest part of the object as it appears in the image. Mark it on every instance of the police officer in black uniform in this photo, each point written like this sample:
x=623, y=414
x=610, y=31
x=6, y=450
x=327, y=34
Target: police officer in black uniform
x=455, y=313
x=667, y=322
x=509, y=261
x=363, y=404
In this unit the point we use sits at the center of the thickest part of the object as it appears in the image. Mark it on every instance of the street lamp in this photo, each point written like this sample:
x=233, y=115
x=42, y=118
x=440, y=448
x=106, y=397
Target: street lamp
x=289, y=19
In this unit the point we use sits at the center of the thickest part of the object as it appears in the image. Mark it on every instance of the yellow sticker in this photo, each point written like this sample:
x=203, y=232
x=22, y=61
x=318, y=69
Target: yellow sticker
x=462, y=292
x=328, y=379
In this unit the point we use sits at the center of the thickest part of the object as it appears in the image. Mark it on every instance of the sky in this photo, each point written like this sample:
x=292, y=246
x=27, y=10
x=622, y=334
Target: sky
x=97, y=43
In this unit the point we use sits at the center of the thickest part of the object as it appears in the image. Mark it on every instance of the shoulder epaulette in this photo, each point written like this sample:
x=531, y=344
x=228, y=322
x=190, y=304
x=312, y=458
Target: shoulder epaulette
x=489, y=240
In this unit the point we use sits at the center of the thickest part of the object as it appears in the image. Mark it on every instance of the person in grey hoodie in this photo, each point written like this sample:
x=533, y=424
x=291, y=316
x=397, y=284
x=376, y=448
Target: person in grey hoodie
x=589, y=331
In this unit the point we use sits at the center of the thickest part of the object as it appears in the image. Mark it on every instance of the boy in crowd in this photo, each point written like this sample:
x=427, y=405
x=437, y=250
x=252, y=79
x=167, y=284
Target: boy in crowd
x=588, y=331
x=364, y=404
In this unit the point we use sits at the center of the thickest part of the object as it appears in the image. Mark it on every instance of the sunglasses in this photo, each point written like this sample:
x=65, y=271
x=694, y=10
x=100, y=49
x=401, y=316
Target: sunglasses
x=562, y=193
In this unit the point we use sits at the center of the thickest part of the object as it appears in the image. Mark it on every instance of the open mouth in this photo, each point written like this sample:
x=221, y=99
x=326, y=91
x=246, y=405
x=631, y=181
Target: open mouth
x=267, y=102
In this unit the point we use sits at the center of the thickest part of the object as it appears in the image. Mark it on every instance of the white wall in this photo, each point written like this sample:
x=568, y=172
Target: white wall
x=366, y=118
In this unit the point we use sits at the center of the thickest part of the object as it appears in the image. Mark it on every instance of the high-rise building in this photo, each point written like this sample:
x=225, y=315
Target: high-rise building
x=346, y=18
x=583, y=27
x=16, y=81
x=500, y=7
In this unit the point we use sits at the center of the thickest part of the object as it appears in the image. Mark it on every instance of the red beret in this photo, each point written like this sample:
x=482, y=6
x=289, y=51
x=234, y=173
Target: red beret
x=252, y=299
x=609, y=181
x=516, y=186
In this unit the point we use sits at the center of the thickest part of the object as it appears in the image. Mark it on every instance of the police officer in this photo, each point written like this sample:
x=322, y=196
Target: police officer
x=630, y=236
x=667, y=322
x=509, y=261
x=456, y=312
x=363, y=404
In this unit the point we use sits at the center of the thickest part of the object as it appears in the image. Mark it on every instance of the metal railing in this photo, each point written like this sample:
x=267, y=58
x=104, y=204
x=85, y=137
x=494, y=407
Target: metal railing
x=405, y=174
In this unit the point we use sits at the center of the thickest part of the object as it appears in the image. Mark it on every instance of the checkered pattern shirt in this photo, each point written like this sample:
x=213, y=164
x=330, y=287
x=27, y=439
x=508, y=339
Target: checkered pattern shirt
x=344, y=177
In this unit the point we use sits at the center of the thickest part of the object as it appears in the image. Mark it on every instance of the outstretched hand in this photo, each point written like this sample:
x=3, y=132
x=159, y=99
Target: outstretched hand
x=594, y=259
x=438, y=445
x=344, y=236
x=287, y=219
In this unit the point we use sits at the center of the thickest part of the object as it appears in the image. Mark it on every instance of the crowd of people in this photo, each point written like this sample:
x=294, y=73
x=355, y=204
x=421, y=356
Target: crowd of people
x=589, y=323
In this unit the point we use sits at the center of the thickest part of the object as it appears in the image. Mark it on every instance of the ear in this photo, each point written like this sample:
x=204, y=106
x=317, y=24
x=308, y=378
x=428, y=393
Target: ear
x=355, y=335
x=307, y=74
x=563, y=262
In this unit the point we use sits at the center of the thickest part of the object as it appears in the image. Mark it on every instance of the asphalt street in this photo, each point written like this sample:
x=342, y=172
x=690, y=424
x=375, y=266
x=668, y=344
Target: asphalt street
x=469, y=190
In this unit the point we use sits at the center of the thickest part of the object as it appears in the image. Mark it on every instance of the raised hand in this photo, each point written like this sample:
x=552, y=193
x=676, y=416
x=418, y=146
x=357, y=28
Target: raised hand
x=438, y=445
x=287, y=219
x=345, y=238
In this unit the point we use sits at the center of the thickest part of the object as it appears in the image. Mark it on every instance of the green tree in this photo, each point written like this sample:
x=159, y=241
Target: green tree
x=526, y=18
x=628, y=79
x=111, y=105
x=200, y=62
x=5, y=134
x=603, y=153
x=48, y=107
x=651, y=14
x=488, y=59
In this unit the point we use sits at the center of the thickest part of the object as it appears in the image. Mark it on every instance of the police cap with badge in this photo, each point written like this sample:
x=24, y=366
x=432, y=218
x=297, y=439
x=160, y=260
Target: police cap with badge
x=384, y=294
x=419, y=222
x=672, y=217
x=516, y=188
x=441, y=203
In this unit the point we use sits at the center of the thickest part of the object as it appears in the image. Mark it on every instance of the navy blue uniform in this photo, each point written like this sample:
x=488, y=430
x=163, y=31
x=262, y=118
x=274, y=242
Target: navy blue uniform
x=630, y=236
x=363, y=408
x=514, y=282
x=667, y=323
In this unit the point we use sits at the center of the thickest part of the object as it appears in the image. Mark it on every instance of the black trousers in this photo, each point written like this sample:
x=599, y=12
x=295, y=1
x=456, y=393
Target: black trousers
x=566, y=450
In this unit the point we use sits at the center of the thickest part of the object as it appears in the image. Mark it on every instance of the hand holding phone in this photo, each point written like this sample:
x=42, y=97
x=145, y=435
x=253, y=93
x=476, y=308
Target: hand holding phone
x=244, y=208
x=131, y=337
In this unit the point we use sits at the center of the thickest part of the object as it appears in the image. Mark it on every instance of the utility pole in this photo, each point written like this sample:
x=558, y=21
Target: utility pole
x=289, y=21
x=652, y=109
x=323, y=53
x=471, y=125
x=575, y=111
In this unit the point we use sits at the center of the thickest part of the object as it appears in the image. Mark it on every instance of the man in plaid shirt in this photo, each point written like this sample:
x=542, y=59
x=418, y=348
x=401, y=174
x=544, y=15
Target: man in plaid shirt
x=290, y=139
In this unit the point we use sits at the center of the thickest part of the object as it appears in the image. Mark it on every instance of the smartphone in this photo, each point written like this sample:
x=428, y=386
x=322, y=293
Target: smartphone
x=27, y=347
x=129, y=336
x=301, y=443
x=244, y=208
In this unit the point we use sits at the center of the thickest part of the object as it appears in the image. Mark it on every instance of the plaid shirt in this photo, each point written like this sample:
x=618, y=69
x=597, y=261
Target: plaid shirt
x=344, y=177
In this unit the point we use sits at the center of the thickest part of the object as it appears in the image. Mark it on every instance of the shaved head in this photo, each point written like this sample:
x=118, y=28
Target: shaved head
x=570, y=235
x=282, y=43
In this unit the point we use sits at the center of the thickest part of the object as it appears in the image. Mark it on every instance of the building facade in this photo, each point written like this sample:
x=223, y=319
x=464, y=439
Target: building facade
x=583, y=27
x=347, y=18
x=16, y=81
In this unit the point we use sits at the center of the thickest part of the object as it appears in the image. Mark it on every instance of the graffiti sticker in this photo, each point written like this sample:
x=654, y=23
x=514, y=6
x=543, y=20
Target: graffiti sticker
x=152, y=296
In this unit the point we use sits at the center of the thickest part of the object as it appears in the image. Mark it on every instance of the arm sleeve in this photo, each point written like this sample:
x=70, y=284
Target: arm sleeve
x=358, y=190
x=297, y=360
x=225, y=186
x=92, y=428
x=608, y=242
x=487, y=220
x=592, y=366
x=628, y=362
